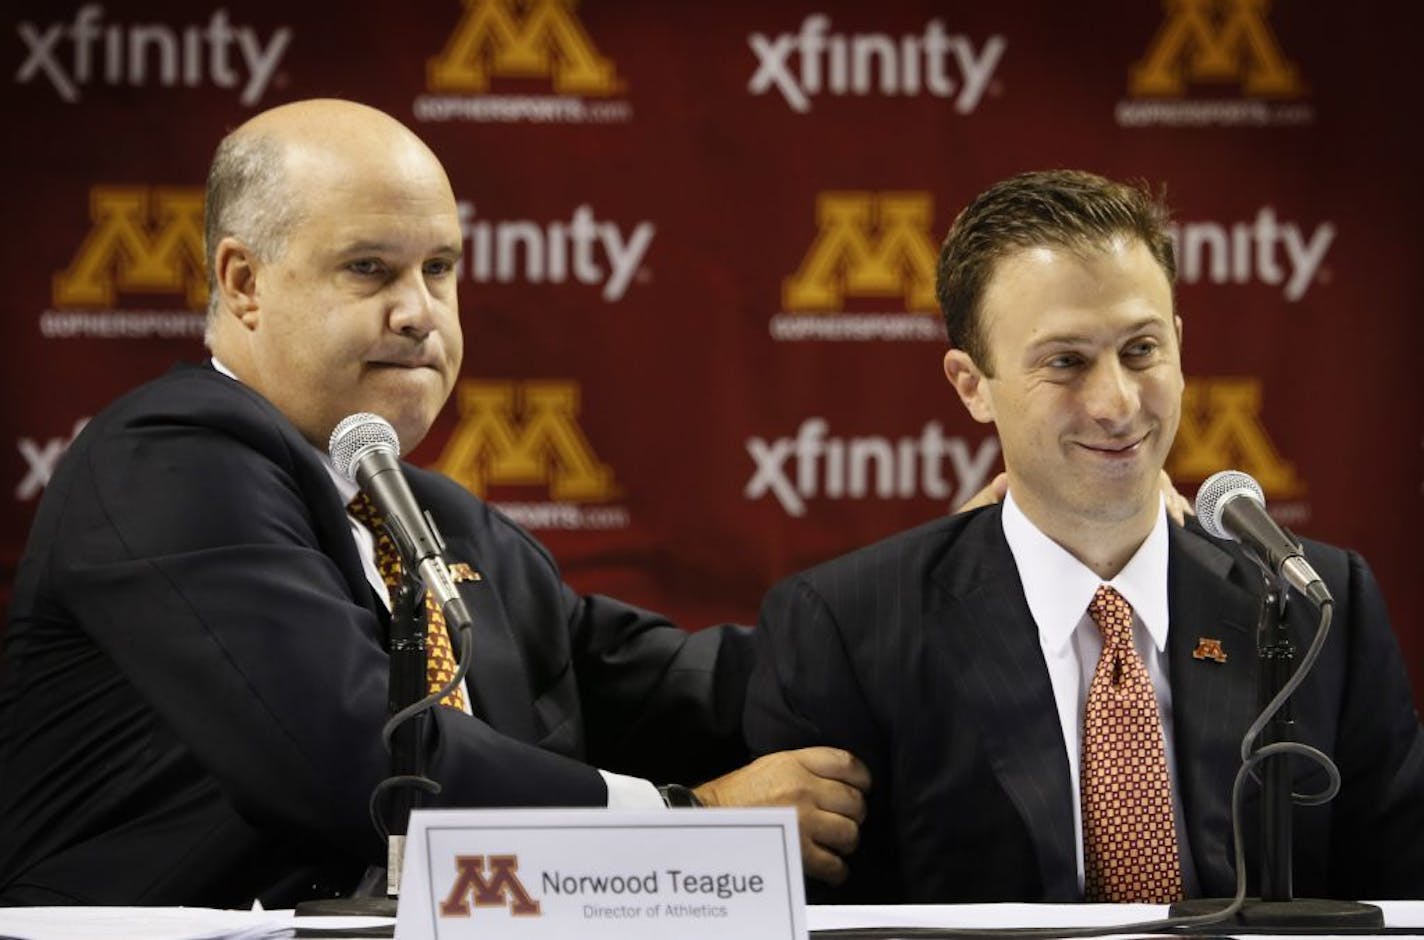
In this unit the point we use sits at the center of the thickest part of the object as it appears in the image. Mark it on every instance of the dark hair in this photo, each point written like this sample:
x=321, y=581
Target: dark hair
x=1057, y=208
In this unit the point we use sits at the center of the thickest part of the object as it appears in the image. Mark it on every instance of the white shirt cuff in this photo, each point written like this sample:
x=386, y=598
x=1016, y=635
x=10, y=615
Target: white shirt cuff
x=626, y=792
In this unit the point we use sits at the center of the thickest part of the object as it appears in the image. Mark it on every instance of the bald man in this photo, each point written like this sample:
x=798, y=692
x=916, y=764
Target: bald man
x=195, y=674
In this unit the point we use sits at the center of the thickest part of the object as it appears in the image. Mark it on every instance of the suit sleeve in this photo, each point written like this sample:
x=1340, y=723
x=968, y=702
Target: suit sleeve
x=1377, y=830
x=805, y=691
x=659, y=702
x=191, y=556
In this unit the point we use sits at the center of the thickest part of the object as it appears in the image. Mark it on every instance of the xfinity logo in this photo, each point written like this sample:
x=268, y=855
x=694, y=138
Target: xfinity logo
x=944, y=65
x=41, y=459
x=581, y=249
x=1267, y=251
x=812, y=464
x=87, y=51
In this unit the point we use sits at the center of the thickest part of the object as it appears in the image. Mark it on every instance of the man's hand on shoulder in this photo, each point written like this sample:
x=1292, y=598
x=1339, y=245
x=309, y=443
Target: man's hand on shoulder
x=826, y=786
x=1178, y=506
x=989, y=495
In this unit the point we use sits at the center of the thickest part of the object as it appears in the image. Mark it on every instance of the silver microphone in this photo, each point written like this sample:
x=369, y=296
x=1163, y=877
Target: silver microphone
x=365, y=449
x=1230, y=505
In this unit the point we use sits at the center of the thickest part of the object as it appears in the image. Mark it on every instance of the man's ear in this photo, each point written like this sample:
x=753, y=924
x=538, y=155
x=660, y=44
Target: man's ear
x=964, y=374
x=235, y=269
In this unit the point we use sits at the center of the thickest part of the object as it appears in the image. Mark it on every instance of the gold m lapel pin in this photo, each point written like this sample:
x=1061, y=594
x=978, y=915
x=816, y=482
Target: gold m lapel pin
x=1209, y=648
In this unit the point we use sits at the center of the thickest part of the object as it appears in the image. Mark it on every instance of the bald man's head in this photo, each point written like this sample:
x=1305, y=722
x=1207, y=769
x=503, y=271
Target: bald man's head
x=333, y=238
x=253, y=190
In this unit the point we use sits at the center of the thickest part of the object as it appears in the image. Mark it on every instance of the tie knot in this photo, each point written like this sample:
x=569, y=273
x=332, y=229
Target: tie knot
x=364, y=511
x=1113, y=615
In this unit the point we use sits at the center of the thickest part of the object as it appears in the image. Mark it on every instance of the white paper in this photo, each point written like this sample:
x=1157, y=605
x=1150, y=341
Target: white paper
x=979, y=916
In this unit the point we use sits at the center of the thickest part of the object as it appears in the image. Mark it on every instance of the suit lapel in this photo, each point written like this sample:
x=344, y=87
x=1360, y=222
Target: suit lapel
x=993, y=654
x=334, y=532
x=497, y=681
x=1212, y=702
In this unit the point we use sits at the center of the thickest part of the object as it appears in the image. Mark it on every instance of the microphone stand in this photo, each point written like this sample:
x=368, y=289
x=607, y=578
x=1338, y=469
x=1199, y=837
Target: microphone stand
x=1277, y=907
x=407, y=686
x=1275, y=661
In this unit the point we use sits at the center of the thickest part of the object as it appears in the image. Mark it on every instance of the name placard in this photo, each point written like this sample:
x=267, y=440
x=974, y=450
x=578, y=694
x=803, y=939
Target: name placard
x=592, y=873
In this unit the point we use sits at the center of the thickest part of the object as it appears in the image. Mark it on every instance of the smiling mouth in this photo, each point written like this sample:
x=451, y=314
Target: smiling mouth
x=399, y=364
x=1125, y=449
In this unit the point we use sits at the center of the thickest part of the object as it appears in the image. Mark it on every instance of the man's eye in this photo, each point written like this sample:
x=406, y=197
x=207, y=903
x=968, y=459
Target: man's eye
x=439, y=267
x=1142, y=350
x=365, y=267
x=1063, y=362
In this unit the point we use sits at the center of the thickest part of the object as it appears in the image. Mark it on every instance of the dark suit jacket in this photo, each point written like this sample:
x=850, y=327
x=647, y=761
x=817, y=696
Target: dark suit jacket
x=920, y=655
x=195, y=679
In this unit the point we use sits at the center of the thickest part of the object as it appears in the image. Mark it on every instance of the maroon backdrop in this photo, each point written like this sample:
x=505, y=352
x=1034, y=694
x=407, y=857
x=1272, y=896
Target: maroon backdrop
x=697, y=291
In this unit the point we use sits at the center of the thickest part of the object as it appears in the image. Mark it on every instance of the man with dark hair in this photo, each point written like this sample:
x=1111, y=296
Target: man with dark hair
x=1021, y=680
x=195, y=675
x=1066, y=209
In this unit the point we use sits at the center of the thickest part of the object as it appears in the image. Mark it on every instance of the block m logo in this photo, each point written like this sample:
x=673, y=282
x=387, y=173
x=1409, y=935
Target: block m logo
x=1221, y=427
x=1215, y=41
x=143, y=241
x=495, y=887
x=492, y=445
x=513, y=39
x=871, y=245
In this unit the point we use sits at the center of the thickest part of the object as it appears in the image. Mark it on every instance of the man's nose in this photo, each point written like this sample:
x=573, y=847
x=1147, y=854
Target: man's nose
x=1111, y=394
x=412, y=311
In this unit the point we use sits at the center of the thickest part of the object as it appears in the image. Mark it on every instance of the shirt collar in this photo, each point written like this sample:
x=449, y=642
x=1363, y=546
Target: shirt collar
x=345, y=487
x=1059, y=587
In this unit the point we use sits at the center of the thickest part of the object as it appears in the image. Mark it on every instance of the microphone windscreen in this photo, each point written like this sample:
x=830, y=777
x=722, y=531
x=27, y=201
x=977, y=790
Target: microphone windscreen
x=1220, y=489
x=357, y=435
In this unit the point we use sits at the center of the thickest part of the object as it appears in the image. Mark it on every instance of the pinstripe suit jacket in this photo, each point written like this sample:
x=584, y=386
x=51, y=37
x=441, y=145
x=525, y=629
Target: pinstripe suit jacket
x=919, y=654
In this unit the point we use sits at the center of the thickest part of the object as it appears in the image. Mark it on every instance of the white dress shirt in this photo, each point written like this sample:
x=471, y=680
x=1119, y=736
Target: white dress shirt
x=624, y=792
x=1059, y=588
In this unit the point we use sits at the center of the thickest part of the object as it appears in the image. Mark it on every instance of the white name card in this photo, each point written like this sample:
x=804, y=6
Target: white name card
x=594, y=873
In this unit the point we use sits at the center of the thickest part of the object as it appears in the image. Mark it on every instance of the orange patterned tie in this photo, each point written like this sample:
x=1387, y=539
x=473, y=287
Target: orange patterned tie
x=1129, y=836
x=439, y=657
